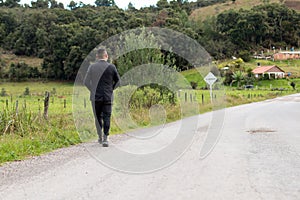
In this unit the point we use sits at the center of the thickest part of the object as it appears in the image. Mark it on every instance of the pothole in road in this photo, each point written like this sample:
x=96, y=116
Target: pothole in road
x=261, y=130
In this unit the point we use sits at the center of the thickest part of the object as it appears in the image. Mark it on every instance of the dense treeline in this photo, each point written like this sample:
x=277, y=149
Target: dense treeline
x=63, y=37
x=265, y=26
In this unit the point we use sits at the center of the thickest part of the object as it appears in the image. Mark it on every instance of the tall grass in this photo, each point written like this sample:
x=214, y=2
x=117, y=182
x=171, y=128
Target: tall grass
x=24, y=131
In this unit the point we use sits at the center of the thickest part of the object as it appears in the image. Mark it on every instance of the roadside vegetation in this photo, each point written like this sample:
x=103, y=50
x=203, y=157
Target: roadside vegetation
x=25, y=132
x=42, y=46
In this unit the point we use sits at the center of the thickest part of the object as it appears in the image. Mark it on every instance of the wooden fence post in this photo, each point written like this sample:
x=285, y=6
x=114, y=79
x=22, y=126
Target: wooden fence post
x=202, y=98
x=65, y=103
x=191, y=97
x=84, y=103
x=185, y=96
x=46, y=104
x=39, y=106
x=17, y=106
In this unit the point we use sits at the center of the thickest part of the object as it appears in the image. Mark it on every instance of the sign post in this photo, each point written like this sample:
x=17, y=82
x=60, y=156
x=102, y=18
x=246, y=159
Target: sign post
x=210, y=79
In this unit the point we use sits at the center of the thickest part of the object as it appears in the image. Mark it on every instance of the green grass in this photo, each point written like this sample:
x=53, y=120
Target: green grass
x=277, y=84
x=214, y=10
x=24, y=131
x=193, y=75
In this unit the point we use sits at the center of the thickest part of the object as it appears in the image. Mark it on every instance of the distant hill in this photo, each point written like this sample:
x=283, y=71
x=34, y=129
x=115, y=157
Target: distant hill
x=202, y=13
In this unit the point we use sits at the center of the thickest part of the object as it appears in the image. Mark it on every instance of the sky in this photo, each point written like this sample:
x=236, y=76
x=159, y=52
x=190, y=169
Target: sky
x=120, y=3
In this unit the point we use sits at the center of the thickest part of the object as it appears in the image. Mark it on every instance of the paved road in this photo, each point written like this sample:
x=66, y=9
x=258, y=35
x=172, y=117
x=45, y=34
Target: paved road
x=257, y=157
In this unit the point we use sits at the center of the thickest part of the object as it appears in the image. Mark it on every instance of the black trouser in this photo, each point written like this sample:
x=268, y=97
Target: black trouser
x=102, y=113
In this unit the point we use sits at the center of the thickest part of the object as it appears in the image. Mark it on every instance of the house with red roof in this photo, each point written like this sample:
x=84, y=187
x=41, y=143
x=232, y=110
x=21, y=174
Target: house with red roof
x=270, y=71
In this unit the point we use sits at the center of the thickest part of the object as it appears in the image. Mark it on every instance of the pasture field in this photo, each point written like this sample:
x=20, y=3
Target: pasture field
x=24, y=131
x=203, y=13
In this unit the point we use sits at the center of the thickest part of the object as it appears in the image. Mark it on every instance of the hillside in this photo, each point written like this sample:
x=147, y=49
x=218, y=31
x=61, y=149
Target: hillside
x=203, y=13
x=294, y=4
x=292, y=66
x=8, y=58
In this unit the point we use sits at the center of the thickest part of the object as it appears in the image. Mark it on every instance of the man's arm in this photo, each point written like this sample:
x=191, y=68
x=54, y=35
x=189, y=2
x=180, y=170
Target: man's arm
x=87, y=79
x=116, y=78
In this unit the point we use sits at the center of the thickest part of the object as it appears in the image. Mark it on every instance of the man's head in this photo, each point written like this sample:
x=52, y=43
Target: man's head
x=102, y=54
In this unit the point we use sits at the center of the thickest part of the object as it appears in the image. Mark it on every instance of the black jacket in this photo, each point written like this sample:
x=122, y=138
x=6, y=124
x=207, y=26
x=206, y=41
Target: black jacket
x=101, y=79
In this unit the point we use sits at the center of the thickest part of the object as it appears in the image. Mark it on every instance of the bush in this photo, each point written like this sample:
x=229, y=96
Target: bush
x=3, y=92
x=53, y=92
x=194, y=85
x=293, y=85
x=130, y=97
x=21, y=71
x=147, y=96
x=245, y=55
x=26, y=92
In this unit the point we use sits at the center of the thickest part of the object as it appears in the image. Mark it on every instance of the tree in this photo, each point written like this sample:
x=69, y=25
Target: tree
x=22, y=71
x=56, y=52
x=10, y=3
x=2, y=66
x=105, y=3
x=131, y=7
x=54, y=4
x=141, y=55
x=161, y=4
x=43, y=4
x=73, y=62
x=72, y=5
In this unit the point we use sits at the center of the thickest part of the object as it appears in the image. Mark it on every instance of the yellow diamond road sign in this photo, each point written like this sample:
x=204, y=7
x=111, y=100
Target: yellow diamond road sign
x=210, y=78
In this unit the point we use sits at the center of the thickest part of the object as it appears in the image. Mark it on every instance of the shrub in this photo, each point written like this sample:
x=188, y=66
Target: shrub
x=130, y=97
x=3, y=92
x=147, y=96
x=194, y=85
x=26, y=92
x=245, y=55
x=53, y=92
x=293, y=85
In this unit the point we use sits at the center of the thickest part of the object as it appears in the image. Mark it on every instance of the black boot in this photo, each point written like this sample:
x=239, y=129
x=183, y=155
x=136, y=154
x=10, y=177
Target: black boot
x=105, y=141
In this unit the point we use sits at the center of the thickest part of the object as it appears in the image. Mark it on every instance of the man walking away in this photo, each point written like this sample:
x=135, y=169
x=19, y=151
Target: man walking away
x=101, y=79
